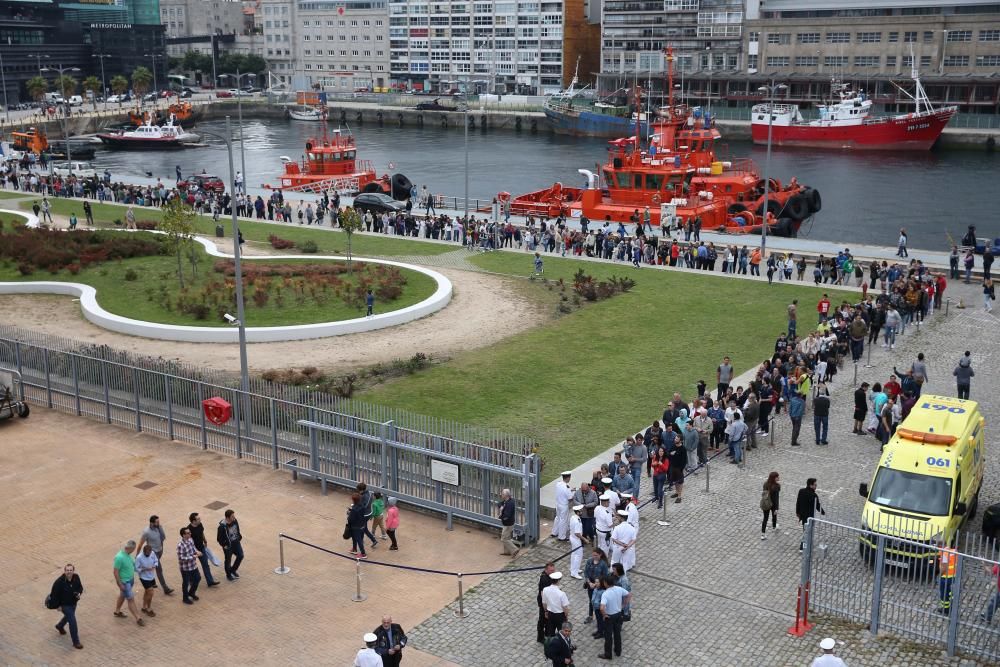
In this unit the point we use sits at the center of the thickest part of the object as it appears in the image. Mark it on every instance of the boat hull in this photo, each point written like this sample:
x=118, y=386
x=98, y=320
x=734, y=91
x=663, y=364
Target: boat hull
x=590, y=124
x=905, y=133
x=128, y=144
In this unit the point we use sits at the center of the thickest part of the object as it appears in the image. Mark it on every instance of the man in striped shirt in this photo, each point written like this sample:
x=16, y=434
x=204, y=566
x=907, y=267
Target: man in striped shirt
x=187, y=557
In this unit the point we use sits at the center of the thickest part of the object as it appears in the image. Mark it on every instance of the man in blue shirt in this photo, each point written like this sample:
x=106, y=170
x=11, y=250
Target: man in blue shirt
x=613, y=601
x=623, y=482
x=796, y=409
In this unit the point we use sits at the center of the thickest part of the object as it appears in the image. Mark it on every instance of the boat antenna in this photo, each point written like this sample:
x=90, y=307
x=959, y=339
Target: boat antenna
x=670, y=78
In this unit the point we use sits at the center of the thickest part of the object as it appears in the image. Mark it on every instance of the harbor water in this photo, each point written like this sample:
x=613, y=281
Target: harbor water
x=867, y=197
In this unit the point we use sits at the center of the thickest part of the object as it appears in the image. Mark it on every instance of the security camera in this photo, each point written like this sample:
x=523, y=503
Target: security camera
x=231, y=319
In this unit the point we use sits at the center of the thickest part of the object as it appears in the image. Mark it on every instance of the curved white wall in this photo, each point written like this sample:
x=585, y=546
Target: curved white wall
x=102, y=318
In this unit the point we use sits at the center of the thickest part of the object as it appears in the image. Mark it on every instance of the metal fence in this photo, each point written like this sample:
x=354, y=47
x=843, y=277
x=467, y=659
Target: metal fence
x=895, y=585
x=277, y=425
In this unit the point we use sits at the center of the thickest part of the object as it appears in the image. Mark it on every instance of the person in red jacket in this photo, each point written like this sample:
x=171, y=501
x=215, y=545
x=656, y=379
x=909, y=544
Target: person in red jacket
x=823, y=308
x=940, y=285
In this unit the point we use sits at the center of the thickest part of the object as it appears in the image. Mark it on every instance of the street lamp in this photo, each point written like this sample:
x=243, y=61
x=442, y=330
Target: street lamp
x=770, y=90
x=708, y=53
x=240, y=313
x=104, y=85
x=156, y=86
x=3, y=82
x=62, y=70
x=38, y=58
x=466, y=117
x=239, y=110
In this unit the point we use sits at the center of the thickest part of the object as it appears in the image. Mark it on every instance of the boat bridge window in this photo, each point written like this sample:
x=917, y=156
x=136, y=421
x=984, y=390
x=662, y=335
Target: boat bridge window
x=349, y=155
x=654, y=182
x=637, y=181
x=623, y=179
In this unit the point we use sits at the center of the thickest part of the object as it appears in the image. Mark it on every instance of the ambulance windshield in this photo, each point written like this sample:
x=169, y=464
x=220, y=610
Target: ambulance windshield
x=911, y=492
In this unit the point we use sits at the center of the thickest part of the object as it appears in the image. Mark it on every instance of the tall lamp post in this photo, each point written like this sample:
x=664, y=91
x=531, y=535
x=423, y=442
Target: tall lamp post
x=156, y=85
x=770, y=90
x=38, y=58
x=104, y=84
x=466, y=118
x=62, y=70
x=239, y=111
x=3, y=82
x=238, y=277
x=708, y=53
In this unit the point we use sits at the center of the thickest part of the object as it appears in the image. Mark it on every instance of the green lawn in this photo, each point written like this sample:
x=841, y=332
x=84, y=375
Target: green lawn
x=328, y=243
x=142, y=299
x=585, y=380
x=13, y=194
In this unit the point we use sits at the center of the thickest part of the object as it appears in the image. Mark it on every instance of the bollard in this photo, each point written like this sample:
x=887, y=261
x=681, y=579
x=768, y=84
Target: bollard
x=281, y=569
x=947, y=305
x=855, y=381
x=460, y=612
x=358, y=595
x=868, y=364
x=770, y=433
x=663, y=521
x=708, y=475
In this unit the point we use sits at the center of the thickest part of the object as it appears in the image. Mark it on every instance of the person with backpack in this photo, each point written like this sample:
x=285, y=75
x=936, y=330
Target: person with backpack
x=559, y=648
x=66, y=592
x=807, y=504
x=769, y=503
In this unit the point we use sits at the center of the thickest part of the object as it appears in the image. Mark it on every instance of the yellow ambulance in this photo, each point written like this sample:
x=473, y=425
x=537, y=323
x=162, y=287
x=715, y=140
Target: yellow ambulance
x=927, y=482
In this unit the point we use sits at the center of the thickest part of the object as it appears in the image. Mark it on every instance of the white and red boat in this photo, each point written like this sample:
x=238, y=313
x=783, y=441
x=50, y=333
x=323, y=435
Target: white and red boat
x=848, y=123
x=150, y=137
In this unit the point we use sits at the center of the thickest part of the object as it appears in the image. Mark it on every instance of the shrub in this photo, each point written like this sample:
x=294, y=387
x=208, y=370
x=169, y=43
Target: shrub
x=25, y=269
x=308, y=247
x=279, y=243
x=146, y=224
x=131, y=275
x=73, y=268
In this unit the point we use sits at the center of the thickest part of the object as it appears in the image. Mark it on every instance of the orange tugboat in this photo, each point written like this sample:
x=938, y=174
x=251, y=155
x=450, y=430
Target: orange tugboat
x=678, y=174
x=331, y=163
x=183, y=112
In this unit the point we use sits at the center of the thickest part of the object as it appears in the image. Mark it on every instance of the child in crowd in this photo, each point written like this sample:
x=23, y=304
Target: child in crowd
x=392, y=522
x=378, y=515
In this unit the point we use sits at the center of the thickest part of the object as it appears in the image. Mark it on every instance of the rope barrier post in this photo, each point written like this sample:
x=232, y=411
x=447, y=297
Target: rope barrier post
x=868, y=364
x=358, y=595
x=281, y=569
x=460, y=612
x=770, y=432
x=855, y=381
x=947, y=305
x=708, y=474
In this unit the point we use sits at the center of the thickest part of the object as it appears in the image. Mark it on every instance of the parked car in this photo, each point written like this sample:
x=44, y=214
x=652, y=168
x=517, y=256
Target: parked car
x=224, y=93
x=377, y=202
x=116, y=99
x=80, y=169
x=185, y=94
x=435, y=105
x=204, y=181
x=75, y=101
x=168, y=93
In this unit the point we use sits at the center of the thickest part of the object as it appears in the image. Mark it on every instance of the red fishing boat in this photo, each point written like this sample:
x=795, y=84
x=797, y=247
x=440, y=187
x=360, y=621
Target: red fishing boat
x=331, y=163
x=848, y=123
x=677, y=174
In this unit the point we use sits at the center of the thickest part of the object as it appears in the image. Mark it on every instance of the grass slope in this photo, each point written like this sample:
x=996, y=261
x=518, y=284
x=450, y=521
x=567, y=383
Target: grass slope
x=587, y=379
x=328, y=243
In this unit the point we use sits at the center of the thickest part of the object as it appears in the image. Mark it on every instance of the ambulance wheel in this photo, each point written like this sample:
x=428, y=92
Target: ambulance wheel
x=23, y=410
x=973, y=508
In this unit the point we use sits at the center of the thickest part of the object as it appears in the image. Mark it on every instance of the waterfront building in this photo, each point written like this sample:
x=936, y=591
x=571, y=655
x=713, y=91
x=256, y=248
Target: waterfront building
x=338, y=45
x=191, y=24
x=44, y=33
x=497, y=46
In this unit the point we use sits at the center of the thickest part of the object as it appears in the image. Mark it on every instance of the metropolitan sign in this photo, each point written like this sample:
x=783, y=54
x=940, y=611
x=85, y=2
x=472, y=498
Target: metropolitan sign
x=446, y=473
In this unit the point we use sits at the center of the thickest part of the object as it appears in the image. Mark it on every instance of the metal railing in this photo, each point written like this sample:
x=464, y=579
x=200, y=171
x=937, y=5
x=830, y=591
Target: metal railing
x=897, y=585
x=311, y=433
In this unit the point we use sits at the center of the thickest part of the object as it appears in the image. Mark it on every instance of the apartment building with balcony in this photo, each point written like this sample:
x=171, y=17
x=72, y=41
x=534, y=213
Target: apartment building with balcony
x=502, y=46
x=337, y=45
x=705, y=35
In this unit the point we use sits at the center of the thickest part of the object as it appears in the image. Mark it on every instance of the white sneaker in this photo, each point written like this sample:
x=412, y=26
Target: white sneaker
x=892, y=347
x=763, y=536
x=775, y=528
x=576, y=576
x=885, y=345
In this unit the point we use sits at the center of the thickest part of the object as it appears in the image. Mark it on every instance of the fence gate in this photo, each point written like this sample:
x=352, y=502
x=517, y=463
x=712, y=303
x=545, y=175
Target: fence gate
x=455, y=469
x=895, y=585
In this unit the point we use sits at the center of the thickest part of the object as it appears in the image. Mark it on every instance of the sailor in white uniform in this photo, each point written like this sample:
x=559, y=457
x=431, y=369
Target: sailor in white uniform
x=604, y=523
x=564, y=496
x=367, y=657
x=628, y=504
x=576, y=542
x=615, y=498
x=623, y=542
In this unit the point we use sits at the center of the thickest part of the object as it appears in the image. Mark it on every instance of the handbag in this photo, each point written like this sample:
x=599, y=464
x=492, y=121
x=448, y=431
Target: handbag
x=347, y=531
x=50, y=602
x=765, y=501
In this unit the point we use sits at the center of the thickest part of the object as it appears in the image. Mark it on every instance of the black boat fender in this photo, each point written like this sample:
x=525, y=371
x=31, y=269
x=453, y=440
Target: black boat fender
x=799, y=207
x=815, y=201
x=401, y=187
x=360, y=119
x=736, y=208
x=374, y=186
x=784, y=227
x=420, y=120
x=399, y=119
x=517, y=123
x=343, y=116
x=378, y=117
x=534, y=126
x=773, y=206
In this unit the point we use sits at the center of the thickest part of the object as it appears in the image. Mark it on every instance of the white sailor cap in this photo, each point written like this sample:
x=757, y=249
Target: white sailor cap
x=623, y=512
x=606, y=480
x=370, y=637
x=555, y=576
x=577, y=508
x=828, y=644
x=625, y=495
x=605, y=496
x=567, y=473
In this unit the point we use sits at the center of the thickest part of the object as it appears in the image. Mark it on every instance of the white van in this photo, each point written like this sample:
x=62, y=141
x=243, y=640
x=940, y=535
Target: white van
x=53, y=98
x=76, y=101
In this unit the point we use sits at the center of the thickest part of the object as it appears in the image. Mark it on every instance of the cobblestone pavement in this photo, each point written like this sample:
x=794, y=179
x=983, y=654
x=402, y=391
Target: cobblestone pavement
x=707, y=590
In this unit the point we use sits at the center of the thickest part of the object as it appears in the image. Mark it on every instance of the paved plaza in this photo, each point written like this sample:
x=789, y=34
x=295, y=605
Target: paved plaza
x=707, y=590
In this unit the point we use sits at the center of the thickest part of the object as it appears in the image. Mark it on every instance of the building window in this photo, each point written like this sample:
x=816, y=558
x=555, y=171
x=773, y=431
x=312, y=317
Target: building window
x=778, y=38
x=959, y=35
x=987, y=61
x=989, y=35
x=893, y=37
x=806, y=61
x=910, y=36
x=928, y=36
x=778, y=61
x=869, y=37
x=808, y=38
x=907, y=61
x=754, y=36
x=867, y=61
x=956, y=61
x=752, y=61
x=890, y=61
x=835, y=61
x=925, y=61
x=838, y=38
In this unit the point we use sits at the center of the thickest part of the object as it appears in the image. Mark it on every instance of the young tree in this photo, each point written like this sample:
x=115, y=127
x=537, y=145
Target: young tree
x=93, y=84
x=350, y=222
x=66, y=85
x=119, y=86
x=37, y=86
x=178, y=225
x=142, y=78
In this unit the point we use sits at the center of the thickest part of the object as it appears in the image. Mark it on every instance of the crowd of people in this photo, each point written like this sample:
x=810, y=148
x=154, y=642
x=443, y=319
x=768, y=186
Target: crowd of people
x=145, y=560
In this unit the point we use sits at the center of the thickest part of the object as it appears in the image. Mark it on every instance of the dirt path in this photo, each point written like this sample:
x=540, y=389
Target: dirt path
x=484, y=310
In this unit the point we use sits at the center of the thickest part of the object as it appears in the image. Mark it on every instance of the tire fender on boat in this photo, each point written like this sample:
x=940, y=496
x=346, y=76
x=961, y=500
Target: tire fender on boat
x=773, y=206
x=783, y=227
x=799, y=207
x=815, y=201
x=534, y=126
x=360, y=119
x=343, y=116
x=401, y=187
x=399, y=119
x=517, y=123
x=378, y=117
x=374, y=186
x=444, y=121
x=472, y=122
x=420, y=120
x=736, y=208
